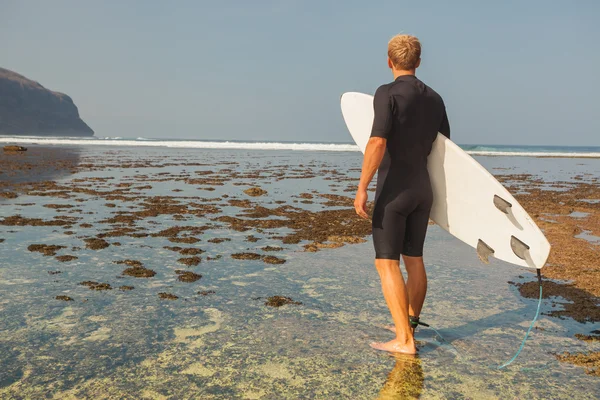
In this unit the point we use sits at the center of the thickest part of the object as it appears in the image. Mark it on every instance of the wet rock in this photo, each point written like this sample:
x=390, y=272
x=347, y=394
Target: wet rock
x=139, y=272
x=219, y=240
x=246, y=256
x=191, y=251
x=346, y=239
x=8, y=195
x=17, y=220
x=54, y=272
x=173, y=248
x=255, y=191
x=273, y=260
x=252, y=239
x=125, y=288
x=190, y=261
x=240, y=203
x=590, y=361
x=66, y=258
x=58, y=206
x=64, y=298
x=186, y=240
x=14, y=148
x=278, y=301
x=272, y=248
x=45, y=249
x=187, y=276
x=96, y=286
x=121, y=219
x=96, y=244
x=312, y=248
x=581, y=306
x=167, y=296
x=206, y=292
x=588, y=338
x=131, y=263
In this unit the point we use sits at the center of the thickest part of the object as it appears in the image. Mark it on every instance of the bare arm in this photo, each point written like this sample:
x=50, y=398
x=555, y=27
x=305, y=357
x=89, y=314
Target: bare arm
x=382, y=124
x=373, y=156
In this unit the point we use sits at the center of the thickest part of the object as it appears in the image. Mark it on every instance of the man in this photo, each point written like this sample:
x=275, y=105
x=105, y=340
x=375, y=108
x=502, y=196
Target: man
x=408, y=116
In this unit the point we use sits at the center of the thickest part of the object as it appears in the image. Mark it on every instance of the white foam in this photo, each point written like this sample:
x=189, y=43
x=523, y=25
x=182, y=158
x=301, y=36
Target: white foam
x=145, y=142
x=184, y=144
x=533, y=154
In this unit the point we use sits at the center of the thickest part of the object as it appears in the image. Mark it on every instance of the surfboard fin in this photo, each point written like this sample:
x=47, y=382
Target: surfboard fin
x=521, y=250
x=484, y=251
x=506, y=208
x=502, y=204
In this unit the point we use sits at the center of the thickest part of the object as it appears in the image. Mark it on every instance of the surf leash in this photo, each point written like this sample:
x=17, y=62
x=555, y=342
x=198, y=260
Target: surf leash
x=414, y=321
x=537, y=313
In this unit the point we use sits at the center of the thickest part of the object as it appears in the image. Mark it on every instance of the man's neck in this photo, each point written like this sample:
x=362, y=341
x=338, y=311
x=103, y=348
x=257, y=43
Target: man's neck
x=401, y=72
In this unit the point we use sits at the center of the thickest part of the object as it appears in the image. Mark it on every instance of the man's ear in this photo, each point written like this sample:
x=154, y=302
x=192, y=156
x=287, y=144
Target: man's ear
x=418, y=64
x=390, y=64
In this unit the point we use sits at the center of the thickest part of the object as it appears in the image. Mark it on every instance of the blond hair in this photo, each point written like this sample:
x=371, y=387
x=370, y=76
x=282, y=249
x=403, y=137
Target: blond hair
x=404, y=51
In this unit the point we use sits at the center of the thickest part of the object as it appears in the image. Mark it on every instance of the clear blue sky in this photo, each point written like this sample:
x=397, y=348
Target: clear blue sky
x=511, y=72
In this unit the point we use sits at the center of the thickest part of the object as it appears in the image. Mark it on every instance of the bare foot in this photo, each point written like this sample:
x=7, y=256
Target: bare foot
x=396, y=346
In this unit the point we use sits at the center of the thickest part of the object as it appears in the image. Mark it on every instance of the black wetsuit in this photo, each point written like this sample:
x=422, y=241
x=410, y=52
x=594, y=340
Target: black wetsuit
x=409, y=114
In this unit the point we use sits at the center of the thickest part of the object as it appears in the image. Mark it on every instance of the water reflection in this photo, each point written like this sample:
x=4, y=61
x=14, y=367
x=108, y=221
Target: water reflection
x=405, y=381
x=38, y=163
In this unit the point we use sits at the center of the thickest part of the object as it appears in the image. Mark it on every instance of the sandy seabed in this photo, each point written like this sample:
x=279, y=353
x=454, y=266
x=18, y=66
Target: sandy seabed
x=246, y=274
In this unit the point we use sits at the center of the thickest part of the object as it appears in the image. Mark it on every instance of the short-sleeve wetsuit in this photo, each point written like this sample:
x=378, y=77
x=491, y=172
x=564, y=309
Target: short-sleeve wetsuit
x=409, y=114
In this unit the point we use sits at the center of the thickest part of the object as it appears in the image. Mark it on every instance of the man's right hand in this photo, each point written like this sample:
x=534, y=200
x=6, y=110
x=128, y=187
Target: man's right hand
x=360, y=203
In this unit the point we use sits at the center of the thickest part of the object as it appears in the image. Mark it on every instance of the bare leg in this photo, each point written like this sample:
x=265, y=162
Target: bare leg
x=396, y=297
x=416, y=285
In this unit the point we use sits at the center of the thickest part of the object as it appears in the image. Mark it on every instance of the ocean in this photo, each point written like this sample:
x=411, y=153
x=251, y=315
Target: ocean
x=475, y=149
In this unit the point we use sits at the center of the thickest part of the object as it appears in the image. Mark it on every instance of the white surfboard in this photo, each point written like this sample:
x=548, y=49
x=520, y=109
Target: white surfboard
x=468, y=201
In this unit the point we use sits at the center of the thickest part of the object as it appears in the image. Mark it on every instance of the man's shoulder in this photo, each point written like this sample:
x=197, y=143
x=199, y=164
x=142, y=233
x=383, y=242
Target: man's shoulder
x=384, y=89
x=432, y=92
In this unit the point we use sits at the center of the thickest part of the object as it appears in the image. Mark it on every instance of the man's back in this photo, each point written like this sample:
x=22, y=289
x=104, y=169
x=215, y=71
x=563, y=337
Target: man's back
x=409, y=114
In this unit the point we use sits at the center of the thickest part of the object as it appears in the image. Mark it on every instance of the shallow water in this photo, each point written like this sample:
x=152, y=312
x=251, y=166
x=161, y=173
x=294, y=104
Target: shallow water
x=132, y=344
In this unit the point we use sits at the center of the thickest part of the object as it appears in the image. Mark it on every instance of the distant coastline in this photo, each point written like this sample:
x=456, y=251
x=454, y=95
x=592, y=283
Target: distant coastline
x=26, y=108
